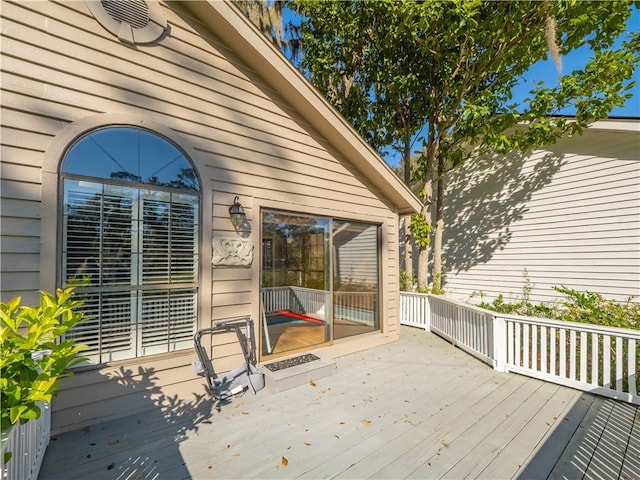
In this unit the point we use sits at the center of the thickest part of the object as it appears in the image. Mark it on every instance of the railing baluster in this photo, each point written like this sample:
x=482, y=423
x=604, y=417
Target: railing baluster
x=572, y=354
x=583, y=356
x=595, y=359
x=606, y=365
x=518, y=345
x=543, y=349
x=525, y=346
x=534, y=347
x=619, y=363
x=631, y=367
x=553, y=361
x=562, y=346
x=510, y=343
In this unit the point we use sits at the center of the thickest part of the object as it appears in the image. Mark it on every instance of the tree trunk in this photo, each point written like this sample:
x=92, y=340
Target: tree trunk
x=408, y=250
x=439, y=230
x=430, y=175
x=423, y=261
x=407, y=236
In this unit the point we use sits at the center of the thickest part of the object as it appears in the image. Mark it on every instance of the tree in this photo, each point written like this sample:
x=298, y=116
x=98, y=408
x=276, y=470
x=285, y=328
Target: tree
x=267, y=16
x=449, y=68
x=362, y=57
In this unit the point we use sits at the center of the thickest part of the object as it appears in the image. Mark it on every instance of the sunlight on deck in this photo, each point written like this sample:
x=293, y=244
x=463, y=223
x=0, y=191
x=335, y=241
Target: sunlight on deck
x=417, y=408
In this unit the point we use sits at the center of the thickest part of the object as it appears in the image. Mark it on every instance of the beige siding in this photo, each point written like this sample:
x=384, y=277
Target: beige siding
x=61, y=68
x=569, y=215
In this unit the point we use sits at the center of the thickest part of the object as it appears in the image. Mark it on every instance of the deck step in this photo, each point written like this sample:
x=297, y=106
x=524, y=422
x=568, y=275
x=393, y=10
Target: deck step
x=297, y=375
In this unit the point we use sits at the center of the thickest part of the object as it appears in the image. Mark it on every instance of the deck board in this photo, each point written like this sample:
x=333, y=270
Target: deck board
x=532, y=436
x=417, y=408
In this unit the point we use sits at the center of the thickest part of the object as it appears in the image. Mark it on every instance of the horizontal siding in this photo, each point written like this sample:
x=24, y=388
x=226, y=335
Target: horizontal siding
x=60, y=66
x=247, y=138
x=189, y=86
x=569, y=215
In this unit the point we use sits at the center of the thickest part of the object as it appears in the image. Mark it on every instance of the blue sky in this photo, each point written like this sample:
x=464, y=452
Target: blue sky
x=546, y=72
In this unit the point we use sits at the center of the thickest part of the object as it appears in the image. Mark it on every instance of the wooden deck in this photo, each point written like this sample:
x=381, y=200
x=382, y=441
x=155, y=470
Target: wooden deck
x=418, y=408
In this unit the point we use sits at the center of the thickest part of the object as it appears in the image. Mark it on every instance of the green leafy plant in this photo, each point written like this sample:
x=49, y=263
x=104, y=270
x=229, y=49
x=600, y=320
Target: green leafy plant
x=421, y=230
x=589, y=307
x=33, y=355
x=582, y=307
x=406, y=281
x=519, y=308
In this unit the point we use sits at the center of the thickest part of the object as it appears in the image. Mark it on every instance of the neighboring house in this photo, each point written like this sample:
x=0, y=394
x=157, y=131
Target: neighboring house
x=568, y=214
x=129, y=129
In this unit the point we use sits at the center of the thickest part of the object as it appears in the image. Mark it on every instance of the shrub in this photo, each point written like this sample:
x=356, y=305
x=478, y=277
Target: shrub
x=32, y=355
x=407, y=281
x=588, y=307
x=583, y=307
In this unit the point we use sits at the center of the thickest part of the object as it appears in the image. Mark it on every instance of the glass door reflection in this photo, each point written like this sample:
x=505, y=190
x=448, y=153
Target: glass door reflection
x=296, y=299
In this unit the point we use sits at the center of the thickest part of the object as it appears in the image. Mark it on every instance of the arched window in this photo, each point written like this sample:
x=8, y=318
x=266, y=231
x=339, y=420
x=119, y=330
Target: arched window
x=130, y=230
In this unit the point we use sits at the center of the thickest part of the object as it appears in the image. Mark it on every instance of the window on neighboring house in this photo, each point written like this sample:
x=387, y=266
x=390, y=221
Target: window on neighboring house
x=130, y=231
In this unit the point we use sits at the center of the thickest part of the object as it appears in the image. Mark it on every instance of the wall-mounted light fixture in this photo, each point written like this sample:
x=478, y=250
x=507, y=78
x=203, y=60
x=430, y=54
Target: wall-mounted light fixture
x=236, y=213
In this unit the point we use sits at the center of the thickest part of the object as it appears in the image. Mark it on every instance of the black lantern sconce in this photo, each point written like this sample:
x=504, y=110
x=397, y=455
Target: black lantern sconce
x=236, y=213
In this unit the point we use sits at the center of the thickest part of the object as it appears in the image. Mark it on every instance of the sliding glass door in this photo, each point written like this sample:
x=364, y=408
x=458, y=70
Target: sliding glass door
x=355, y=278
x=295, y=282
x=319, y=280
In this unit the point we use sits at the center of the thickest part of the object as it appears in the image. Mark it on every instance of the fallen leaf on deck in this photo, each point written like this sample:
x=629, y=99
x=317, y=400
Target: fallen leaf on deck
x=285, y=462
x=312, y=383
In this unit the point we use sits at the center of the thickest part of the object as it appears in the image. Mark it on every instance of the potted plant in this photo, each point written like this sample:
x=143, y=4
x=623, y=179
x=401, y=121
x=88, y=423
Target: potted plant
x=34, y=355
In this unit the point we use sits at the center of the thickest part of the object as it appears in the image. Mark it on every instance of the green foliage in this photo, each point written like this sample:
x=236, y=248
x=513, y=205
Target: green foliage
x=421, y=230
x=406, y=281
x=395, y=69
x=588, y=307
x=583, y=307
x=519, y=308
x=32, y=356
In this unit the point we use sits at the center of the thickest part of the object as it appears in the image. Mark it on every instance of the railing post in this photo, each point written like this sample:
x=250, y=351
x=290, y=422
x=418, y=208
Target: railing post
x=499, y=344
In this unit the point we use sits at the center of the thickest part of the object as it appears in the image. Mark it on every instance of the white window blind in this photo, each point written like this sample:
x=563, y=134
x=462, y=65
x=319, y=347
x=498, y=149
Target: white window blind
x=132, y=254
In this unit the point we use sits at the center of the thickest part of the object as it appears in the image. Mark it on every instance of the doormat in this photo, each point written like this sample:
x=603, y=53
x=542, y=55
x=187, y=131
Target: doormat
x=291, y=362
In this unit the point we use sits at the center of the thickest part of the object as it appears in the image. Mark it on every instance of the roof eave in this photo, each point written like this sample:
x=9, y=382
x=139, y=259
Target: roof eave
x=256, y=50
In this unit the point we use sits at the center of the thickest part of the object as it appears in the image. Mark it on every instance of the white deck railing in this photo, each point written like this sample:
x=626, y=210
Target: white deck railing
x=354, y=306
x=602, y=360
x=27, y=444
x=467, y=327
x=305, y=301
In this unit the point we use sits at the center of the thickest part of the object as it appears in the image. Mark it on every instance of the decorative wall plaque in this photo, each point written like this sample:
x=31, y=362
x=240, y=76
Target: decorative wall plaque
x=236, y=252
